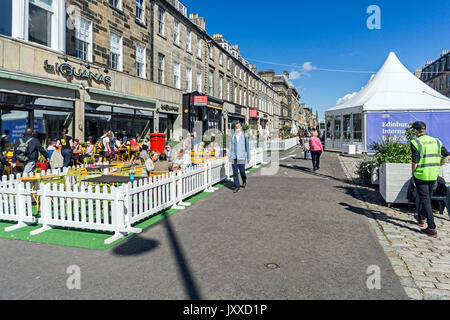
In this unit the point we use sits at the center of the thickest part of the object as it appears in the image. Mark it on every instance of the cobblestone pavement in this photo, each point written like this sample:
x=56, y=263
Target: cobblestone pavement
x=422, y=263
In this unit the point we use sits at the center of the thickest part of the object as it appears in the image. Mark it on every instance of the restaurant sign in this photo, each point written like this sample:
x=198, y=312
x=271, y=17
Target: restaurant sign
x=68, y=71
x=168, y=108
x=200, y=101
x=253, y=113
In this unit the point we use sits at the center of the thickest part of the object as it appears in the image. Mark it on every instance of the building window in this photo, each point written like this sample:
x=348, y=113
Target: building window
x=140, y=61
x=140, y=10
x=211, y=83
x=176, y=75
x=245, y=98
x=448, y=81
x=221, y=87
x=228, y=63
x=199, y=48
x=235, y=71
x=235, y=93
x=40, y=22
x=176, y=32
x=83, y=39
x=188, y=41
x=211, y=51
x=221, y=59
x=228, y=90
x=199, y=82
x=116, y=4
x=161, y=21
x=188, y=79
x=240, y=96
x=116, y=52
x=160, y=68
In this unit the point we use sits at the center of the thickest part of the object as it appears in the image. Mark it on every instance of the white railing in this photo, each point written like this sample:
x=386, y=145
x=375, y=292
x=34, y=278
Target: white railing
x=276, y=145
x=110, y=209
x=16, y=203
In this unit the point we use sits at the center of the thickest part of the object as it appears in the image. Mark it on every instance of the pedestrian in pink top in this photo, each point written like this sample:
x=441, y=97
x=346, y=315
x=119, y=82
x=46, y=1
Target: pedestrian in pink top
x=316, y=148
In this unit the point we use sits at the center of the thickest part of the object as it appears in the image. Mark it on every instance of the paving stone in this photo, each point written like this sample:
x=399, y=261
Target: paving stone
x=436, y=297
x=444, y=286
x=425, y=284
x=444, y=280
x=413, y=293
x=437, y=292
x=407, y=282
x=424, y=278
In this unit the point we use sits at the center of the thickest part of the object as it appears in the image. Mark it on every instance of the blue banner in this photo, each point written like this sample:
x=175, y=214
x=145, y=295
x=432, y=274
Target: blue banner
x=393, y=124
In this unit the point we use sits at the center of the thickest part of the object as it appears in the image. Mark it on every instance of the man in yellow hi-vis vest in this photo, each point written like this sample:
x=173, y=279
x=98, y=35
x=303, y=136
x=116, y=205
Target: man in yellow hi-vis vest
x=428, y=155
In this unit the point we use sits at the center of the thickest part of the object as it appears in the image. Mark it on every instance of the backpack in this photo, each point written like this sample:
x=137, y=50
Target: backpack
x=22, y=151
x=57, y=160
x=99, y=146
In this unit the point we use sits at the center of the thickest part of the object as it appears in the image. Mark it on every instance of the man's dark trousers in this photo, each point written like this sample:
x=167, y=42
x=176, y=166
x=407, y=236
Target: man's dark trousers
x=236, y=169
x=425, y=192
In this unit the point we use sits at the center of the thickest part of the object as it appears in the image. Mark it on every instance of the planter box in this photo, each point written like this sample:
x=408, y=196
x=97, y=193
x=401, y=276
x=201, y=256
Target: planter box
x=394, y=181
x=349, y=149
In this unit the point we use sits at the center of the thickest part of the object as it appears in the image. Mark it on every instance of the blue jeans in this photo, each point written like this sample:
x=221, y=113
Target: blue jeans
x=67, y=157
x=236, y=169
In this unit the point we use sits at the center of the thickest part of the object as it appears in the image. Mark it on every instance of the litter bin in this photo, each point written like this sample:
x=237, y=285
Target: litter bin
x=158, y=142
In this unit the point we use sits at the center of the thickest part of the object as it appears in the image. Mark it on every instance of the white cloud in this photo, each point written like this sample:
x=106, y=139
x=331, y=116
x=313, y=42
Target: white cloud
x=307, y=66
x=345, y=98
x=294, y=75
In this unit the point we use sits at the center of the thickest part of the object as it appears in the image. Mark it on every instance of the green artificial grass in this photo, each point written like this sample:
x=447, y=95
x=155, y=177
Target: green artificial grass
x=85, y=239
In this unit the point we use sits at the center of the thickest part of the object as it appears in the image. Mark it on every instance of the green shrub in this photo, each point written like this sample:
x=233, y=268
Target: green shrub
x=392, y=151
x=365, y=167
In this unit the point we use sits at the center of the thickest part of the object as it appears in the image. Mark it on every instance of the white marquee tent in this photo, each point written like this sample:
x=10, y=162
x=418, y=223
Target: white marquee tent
x=392, y=99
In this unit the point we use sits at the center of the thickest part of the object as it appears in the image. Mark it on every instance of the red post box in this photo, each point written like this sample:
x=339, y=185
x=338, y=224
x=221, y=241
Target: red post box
x=158, y=142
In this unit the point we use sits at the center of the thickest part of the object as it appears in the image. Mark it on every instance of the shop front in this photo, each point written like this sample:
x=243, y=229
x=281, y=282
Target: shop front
x=253, y=117
x=46, y=116
x=169, y=118
x=202, y=114
x=235, y=113
x=122, y=114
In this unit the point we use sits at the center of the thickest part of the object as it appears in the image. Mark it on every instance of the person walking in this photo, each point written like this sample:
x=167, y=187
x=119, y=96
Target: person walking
x=428, y=155
x=239, y=155
x=26, y=150
x=306, y=148
x=316, y=147
x=66, y=144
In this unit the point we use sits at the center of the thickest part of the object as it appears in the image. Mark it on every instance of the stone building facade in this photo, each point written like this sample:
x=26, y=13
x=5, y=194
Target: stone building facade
x=288, y=95
x=437, y=73
x=129, y=66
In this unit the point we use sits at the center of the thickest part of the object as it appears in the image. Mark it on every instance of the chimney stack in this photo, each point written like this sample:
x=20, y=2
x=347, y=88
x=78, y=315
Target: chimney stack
x=199, y=21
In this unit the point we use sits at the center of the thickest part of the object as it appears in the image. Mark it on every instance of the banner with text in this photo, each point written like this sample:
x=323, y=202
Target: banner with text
x=393, y=124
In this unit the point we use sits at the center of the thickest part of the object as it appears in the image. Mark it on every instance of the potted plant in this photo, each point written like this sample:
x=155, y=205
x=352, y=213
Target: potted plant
x=91, y=163
x=38, y=172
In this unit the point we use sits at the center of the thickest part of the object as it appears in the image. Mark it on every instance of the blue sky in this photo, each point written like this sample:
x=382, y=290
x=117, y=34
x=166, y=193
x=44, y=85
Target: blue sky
x=329, y=34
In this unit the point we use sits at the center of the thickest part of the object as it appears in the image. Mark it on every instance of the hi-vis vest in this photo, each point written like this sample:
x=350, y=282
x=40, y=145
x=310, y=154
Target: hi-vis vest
x=430, y=158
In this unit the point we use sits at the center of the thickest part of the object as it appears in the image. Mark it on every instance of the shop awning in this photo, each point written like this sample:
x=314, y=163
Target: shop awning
x=120, y=95
x=36, y=80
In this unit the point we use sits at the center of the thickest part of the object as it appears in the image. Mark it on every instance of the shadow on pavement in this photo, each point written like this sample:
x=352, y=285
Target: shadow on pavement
x=183, y=267
x=311, y=172
x=135, y=246
x=379, y=215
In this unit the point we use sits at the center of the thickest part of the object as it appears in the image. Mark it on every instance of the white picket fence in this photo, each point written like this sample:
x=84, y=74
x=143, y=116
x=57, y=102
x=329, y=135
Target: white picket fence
x=276, y=145
x=110, y=209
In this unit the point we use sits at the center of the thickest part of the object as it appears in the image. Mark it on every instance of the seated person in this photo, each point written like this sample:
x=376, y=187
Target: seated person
x=144, y=153
x=77, y=146
x=183, y=159
x=163, y=164
x=51, y=147
x=88, y=152
x=150, y=163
